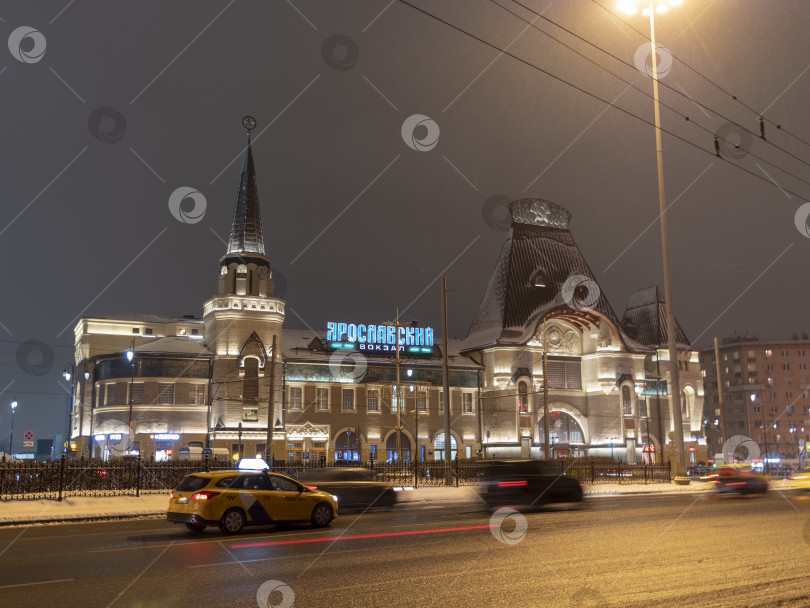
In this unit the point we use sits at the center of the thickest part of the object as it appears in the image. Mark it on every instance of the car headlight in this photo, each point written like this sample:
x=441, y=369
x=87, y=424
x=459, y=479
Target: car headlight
x=335, y=498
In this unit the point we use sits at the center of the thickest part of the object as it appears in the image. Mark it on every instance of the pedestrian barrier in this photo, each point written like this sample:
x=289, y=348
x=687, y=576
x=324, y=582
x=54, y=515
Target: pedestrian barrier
x=26, y=479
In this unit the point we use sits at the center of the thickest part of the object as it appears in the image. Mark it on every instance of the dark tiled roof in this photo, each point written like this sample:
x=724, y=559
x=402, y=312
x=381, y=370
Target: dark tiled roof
x=246, y=232
x=645, y=319
x=538, y=242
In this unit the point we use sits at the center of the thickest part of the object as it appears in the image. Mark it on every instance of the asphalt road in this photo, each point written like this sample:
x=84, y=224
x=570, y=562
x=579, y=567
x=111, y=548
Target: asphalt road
x=684, y=550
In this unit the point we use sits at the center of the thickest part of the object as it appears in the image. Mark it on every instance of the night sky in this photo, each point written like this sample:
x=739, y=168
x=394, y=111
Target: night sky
x=128, y=104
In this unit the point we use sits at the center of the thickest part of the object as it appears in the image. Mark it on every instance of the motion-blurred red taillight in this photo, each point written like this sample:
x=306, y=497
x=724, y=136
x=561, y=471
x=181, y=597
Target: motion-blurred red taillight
x=313, y=487
x=208, y=495
x=171, y=494
x=511, y=484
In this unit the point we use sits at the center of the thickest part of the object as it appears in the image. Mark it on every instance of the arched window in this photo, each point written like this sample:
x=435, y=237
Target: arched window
x=250, y=384
x=627, y=401
x=241, y=270
x=523, y=397
x=687, y=401
x=391, y=448
x=438, y=447
x=346, y=446
x=563, y=428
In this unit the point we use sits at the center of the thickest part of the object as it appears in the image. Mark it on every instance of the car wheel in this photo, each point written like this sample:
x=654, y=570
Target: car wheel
x=389, y=498
x=232, y=521
x=196, y=527
x=576, y=495
x=321, y=515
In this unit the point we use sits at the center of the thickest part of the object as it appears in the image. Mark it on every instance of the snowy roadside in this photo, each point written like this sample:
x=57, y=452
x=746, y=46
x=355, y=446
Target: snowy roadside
x=91, y=508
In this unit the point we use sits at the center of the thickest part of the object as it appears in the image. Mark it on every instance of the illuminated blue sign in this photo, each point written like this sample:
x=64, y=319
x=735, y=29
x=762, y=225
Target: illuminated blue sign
x=379, y=337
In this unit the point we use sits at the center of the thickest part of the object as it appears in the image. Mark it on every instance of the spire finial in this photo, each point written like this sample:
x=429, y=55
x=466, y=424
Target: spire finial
x=246, y=232
x=249, y=123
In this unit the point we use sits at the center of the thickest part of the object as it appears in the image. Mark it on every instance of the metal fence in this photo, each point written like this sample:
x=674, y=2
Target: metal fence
x=25, y=479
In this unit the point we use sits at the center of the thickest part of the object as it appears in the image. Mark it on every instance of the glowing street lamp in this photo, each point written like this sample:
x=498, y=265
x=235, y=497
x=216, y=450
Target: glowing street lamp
x=650, y=7
x=11, y=439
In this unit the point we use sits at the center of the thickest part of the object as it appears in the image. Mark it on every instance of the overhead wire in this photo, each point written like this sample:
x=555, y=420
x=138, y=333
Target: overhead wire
x=660, y=83
x=650, y=96
x=707, y=79
x=595, y=96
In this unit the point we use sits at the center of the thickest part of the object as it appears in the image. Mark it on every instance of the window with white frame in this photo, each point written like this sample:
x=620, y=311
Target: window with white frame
x=322, y=398
x=441, y=402
x=165, y=393
x=373, y=400
x=196, y=394
x=296, y=398
x=466, y=400
x=421, y=402
x=348, y=399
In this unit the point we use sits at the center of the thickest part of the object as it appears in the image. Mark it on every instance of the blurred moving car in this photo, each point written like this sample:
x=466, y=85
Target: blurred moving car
x=527, y=483
x=800, y=480
x=738, y=480
x=234, y=499
x=353, y=486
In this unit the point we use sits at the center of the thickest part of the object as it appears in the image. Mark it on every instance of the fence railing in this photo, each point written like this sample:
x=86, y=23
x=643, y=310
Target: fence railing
x=25, y=479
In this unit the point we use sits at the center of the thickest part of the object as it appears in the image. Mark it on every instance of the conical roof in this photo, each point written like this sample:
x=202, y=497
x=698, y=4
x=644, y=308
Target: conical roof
x=540, y=270
x=246, y=231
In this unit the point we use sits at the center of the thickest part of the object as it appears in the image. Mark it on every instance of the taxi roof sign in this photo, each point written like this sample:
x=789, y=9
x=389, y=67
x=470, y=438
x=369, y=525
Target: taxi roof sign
x=253, y=464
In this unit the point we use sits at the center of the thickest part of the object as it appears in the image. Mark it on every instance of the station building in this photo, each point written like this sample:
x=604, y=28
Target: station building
x=235, y=379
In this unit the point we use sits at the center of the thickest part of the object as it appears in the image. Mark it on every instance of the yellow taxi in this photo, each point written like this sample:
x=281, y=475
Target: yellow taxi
x=234, y=499
x=800, y=480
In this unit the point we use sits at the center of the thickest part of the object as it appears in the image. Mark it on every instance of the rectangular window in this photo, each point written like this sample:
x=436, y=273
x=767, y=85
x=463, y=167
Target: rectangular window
x=741, y=424
x=736, y=355
x=786, y=367
x=373, y=400
x=165, y=393
x=441, y=402
x=348, y=399
x=752, y=367
x=803, y=366
x=564, y=375
x=789, y=409
x=757, y=409
x=137, y=394
x=196, y=394
x=787, y=381
x=112, y=398
x=466, y=399
x=768, y=353
x=801, y=352
x=136, y=330
x=772, y=394
x=250, y=414
x=421, y=403
x=789, y=395
x=784, y=353
x=322, y=398
x=296, y=398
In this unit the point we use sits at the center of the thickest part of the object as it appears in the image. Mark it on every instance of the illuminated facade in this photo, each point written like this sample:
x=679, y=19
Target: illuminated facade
x=167, y=386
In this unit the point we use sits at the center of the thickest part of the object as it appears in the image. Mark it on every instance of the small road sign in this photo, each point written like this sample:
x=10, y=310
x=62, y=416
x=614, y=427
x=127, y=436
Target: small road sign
x=28, y=436
x=28, y=444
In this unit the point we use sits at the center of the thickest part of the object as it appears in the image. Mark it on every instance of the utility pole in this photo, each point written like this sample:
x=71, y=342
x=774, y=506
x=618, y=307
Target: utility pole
x=547, y=452
x=448, y=438
x=720, y=399
x=271, y=402
x=398, y=390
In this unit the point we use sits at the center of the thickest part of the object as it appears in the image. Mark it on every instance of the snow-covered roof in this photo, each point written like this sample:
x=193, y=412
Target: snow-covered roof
x=137, y=318
x=645, y=319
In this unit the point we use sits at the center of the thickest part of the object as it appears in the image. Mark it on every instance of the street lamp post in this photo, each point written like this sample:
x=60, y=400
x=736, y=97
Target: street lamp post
x=131, y=358
x=661, y=6
x=11, y=438
x=69, y=374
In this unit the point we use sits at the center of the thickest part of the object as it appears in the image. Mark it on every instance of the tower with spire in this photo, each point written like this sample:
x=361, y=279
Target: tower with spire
x=244, y=316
